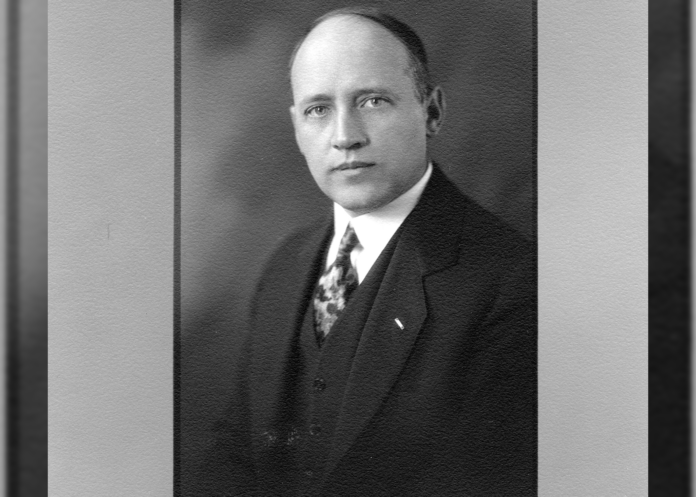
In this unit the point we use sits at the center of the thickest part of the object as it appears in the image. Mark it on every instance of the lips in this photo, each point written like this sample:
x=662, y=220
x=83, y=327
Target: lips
x=353, y=165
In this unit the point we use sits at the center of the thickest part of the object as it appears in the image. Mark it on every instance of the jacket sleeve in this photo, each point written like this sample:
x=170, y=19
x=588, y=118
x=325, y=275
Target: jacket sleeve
x=504, y=367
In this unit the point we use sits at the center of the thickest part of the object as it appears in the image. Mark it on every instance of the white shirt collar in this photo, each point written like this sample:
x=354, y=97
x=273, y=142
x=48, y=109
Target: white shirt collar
x=376, y=228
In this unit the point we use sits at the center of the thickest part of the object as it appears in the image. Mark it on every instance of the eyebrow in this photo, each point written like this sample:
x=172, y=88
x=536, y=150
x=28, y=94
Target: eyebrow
x=323, y=97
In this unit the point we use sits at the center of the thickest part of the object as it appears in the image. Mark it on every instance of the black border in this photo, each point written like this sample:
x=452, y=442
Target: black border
x=12, y=260
x=177, y=247
x=535, y=151
x=670, y=285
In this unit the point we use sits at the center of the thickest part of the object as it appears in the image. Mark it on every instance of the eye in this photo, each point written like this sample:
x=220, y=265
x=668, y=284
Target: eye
x=374, y=102
x=317, y=111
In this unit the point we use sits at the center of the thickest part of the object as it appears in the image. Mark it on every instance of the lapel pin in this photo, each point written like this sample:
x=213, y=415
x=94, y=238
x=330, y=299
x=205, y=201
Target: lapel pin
x=398, y=323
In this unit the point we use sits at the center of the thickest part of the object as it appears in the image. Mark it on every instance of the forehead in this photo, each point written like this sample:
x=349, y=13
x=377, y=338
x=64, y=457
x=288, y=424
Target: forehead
x=350, y=50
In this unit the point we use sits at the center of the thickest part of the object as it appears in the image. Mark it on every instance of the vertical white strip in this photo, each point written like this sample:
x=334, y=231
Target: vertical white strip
x=593, y=248
x=111, y=178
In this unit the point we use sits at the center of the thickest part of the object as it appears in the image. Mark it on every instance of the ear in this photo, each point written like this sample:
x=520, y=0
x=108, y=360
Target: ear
x=435, y=111
x=293, y=117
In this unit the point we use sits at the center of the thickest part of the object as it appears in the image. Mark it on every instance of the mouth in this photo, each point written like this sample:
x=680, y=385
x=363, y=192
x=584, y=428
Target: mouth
x=353, y=165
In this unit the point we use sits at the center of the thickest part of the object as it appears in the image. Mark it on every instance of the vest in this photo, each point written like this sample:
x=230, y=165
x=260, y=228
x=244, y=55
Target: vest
x=322, y=374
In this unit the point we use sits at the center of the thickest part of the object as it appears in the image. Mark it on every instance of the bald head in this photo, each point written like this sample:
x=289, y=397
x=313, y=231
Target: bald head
x=409, y=40
x=348, y=38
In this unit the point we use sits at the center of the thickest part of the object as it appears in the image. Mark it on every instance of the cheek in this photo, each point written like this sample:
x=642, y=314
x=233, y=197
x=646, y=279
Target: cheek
x=309, y=141
x=406, y=128
x=404, y=140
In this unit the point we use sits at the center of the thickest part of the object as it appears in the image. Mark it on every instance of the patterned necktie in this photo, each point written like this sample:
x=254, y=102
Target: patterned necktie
x=335, y=286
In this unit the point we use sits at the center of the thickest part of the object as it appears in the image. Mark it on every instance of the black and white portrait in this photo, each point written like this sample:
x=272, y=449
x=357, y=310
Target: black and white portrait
x=358, y=250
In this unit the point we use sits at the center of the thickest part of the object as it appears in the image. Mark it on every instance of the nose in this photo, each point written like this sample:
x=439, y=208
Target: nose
x=349, y=132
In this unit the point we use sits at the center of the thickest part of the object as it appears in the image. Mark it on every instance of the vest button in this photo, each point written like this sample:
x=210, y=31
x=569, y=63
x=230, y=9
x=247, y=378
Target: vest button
x=319, y=384
x=314, y=430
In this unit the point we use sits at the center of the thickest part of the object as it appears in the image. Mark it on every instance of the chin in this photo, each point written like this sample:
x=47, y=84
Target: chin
x=362, y=207
x=362, y=201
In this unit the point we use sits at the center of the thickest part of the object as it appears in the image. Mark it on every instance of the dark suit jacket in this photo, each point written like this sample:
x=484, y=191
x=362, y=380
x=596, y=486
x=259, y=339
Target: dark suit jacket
x=446, y=406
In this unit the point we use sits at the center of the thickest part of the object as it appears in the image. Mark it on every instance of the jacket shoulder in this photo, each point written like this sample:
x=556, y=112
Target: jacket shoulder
x=301, y=240
x=448, y=217
x=488, y=229
x=291, y=260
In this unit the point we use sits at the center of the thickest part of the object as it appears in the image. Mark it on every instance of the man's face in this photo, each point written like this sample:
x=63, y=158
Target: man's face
x=358, y=120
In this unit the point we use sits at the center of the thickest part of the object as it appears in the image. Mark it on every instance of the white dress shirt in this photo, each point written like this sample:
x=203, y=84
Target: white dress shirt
x=375, y=228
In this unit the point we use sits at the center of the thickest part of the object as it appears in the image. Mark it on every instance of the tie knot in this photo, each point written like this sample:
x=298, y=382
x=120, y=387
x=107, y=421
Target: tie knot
x=348, y=243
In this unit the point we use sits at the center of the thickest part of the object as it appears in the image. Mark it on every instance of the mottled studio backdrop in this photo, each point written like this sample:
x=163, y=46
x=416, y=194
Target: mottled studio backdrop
x=245, y=185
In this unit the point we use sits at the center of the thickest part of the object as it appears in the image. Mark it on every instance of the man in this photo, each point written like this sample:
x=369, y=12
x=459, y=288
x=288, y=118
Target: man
x=392, y=347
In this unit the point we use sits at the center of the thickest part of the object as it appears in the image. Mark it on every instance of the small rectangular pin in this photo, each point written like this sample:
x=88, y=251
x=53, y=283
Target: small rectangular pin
x=398, y=323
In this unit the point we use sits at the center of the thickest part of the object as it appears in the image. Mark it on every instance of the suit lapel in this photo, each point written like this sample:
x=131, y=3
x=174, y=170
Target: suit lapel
x=426, y=244
x=383, y=349
x=273, y=345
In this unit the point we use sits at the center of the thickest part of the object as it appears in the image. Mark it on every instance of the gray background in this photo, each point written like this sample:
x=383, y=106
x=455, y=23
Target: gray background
x=593, y=248
x=110, y=246
x=110, y=180
x=245, y=184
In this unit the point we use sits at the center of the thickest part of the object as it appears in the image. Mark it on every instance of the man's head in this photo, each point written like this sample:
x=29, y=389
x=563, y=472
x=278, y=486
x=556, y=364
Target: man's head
x=363, y=107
